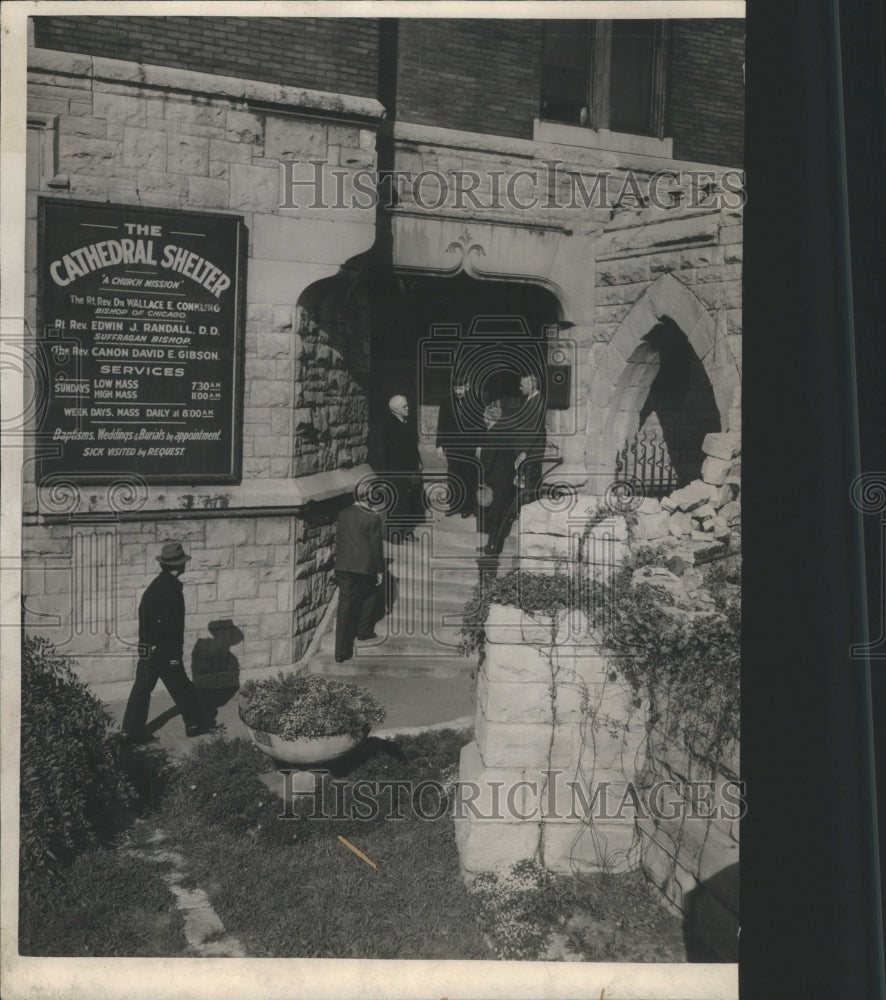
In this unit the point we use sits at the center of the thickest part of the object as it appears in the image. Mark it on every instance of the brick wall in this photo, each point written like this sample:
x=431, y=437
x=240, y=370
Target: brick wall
x=479, y=76
x=334, y=54
x=460, y=73
x=705, y=109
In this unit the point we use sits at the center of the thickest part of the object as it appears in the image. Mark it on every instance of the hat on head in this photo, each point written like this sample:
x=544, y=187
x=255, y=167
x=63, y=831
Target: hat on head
x=172, y=554
x=226, y=627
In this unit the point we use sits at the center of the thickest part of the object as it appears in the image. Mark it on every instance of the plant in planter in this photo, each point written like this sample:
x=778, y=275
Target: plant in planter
x=303, y=719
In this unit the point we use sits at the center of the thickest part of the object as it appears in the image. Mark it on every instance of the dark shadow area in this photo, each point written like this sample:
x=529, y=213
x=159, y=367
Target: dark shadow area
x=342, y=766
x=214, y=668
x=710, y=925
x=425, y=330
x=680, y=408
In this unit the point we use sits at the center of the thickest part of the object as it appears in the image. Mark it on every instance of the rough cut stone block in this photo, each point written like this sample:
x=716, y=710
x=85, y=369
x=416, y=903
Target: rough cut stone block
x=144, y=148
x=118, y=106
x=609, y=846
x=223, y=533
x=254, y=189
x=188, y=154
x=679, y=524
x=238, y=584
x=514, y=662
x=207, y=192
x=715, y=470
x=504, y=744
x=651, y=526
x=723, y=446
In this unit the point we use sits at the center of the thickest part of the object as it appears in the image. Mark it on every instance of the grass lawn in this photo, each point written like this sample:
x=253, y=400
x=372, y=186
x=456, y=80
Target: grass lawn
x=289, y=887
x=106, y=903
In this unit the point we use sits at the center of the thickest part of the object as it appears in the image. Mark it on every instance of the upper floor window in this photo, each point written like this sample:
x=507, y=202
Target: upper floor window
x=605, y=75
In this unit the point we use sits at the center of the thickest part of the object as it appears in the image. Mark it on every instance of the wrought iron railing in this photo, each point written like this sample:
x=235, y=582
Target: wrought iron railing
x=645, y=459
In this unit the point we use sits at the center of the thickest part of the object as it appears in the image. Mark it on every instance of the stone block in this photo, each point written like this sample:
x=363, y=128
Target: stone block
x=715, y=470
x=723, y=446
x=226, y=532
x=486, y=846
x=188, y=154
x=207, y=192
x=253, y=555
x=515, y=662
x=275, y=346
x=275, y=625
x=118, y=106
x=144, y=148
x=273, y=531
x=529, y=746
x=244, y=127
x=78, y=153
x=530, y=702
x=193, y=113
x=238, y=583
x=255, y=606
x=679, y=524
x=225, y=151
x=220, y=558
x=652, y=526
x=602, y=846
x=254, y=189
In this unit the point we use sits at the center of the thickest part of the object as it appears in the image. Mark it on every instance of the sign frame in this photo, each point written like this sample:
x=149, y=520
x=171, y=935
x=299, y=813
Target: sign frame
x=47, y=468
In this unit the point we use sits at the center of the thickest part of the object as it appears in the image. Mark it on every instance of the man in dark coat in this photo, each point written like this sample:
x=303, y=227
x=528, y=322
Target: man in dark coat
x=403, y=462
x=531, y=437
x=458, y=435
x=498, y=473
x=161, y=634
x=359, y=571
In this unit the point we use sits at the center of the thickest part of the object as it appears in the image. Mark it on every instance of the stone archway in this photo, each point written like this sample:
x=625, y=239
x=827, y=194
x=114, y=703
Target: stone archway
x=622, y=380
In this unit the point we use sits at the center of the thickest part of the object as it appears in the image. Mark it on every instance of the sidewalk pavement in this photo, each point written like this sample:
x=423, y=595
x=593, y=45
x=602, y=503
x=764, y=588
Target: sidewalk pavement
x=412, y=703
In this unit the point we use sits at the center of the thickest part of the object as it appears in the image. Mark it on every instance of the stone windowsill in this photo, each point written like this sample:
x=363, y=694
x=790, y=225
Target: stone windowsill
x=254, y=497
x=588, y=138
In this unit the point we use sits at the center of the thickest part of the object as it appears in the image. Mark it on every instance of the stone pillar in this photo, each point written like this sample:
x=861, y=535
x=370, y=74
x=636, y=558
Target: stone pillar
x=555, y=745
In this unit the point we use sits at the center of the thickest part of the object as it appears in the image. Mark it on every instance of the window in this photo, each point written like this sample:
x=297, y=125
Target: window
x=605, y=75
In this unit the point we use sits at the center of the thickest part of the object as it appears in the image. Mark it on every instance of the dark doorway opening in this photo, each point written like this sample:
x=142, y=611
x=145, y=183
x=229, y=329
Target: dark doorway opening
x=425, y=329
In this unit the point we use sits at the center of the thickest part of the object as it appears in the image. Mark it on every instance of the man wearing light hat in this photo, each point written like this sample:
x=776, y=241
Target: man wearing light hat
x=161, y=636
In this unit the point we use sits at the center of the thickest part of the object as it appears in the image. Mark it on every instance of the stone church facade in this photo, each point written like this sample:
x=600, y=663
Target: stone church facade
x=616, y=254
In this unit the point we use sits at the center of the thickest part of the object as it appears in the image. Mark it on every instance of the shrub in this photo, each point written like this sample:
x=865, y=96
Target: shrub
x=73, y=778
x=686, y=665
x=307, y=706
x=538, y=593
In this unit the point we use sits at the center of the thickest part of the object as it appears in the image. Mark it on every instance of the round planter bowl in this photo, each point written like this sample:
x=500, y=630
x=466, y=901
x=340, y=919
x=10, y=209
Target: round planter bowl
x=303, y=751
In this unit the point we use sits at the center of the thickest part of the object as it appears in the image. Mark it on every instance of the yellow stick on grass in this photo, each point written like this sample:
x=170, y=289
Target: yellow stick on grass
x=358, y=852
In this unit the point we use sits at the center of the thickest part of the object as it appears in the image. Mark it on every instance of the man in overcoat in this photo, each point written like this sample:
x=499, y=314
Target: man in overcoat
x=359, y=571
x=498, y=458
x=403, y=463
x=459, y=432
x=161, y=634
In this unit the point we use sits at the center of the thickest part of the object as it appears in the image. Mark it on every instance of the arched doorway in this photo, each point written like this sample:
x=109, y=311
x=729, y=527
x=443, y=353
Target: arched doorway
x=664, y=381
x=426, y=328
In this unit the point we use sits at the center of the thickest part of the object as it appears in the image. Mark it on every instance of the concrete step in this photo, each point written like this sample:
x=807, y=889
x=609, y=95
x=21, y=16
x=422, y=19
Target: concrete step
x=381, y=666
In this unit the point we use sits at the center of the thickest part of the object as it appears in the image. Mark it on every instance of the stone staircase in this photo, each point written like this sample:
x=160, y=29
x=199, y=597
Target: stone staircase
x=427, y=583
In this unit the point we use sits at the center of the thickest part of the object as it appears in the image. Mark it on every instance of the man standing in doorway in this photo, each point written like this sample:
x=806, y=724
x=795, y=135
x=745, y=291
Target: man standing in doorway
x=161, y=635
x=359, y=571
x=458, y=434
x=531, y=436
x=403, y=462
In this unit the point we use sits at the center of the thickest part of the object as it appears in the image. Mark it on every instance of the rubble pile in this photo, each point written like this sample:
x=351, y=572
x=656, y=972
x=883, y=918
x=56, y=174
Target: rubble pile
x=705, y=510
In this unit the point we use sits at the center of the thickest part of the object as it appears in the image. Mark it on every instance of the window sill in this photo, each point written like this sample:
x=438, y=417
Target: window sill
x=588, y=138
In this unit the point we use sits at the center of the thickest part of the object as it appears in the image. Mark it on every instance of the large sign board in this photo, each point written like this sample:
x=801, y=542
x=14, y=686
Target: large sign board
x=141, y=315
